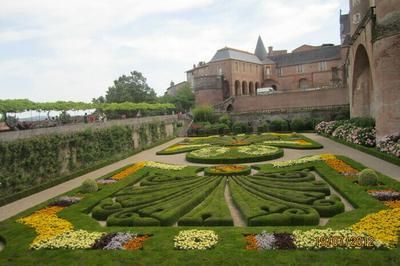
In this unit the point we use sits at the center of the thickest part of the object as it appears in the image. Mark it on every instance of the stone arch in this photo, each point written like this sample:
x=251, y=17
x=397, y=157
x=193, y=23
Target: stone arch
x=237, y=87
x=304, y=84
x=251, y=88
x=244, y=88
x=362, y=83
x=271, y=83
x=229, y=108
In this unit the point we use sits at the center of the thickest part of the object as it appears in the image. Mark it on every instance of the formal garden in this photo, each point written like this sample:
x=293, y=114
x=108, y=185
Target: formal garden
x=233, y=205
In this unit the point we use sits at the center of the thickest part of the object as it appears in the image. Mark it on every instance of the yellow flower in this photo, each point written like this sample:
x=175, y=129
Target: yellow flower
x=46, y=223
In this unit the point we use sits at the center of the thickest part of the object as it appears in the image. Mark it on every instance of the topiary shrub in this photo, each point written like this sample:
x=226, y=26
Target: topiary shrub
x=203, y=114
x=368, y=177
x=297, y=124
x=279, y=125
x=239, y=127
x=89, y=186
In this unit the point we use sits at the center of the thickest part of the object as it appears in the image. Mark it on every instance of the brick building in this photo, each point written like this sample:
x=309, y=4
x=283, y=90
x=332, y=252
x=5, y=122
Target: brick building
x=374, y=63
x=363, y=71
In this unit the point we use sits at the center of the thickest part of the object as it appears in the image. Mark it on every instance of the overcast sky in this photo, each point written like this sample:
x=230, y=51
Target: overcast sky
x=74, y=49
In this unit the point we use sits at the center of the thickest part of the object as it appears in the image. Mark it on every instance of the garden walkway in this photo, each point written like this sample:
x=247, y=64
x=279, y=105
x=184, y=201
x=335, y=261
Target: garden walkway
x=330, y=146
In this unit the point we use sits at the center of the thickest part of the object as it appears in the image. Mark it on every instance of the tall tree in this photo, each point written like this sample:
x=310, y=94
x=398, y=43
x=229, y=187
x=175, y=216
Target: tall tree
x=131, y=88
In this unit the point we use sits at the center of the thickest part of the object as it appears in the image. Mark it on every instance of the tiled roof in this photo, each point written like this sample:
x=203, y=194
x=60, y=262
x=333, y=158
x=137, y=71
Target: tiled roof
x=315, y=55
x=229, y=53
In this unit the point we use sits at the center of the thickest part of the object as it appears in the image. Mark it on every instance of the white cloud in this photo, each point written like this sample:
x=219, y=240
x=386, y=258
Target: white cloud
x=91, y=43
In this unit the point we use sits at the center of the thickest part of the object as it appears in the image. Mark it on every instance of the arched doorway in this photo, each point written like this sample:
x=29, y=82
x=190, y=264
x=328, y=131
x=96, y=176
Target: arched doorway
x=270, y=83
x=244, y=88
x=257, y=85
x=362, y=84
x=237, y=87
x=229, y=108
x=226, y=89
x=251, y=88
x=303, y=84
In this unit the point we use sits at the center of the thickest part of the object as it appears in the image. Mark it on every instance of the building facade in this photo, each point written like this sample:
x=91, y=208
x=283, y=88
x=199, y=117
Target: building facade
x=374, y=63
x=363, y=72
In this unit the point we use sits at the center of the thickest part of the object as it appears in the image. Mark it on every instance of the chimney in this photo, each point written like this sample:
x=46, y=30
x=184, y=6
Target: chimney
x=172, y=84
x=270, y=49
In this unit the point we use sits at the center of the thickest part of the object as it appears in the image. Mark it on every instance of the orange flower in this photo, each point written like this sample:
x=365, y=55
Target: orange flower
x=251, y=242
x=341, y=166
x=227, y=168
x=392, y=204
x=136, y=243
x=128, y=171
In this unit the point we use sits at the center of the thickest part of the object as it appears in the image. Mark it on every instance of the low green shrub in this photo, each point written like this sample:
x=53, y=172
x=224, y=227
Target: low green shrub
x=297, y=124
x=279, y=125
x=264, y=127
x=203, y=114
x=239, y=127
x=368, y=177
x=89, y=186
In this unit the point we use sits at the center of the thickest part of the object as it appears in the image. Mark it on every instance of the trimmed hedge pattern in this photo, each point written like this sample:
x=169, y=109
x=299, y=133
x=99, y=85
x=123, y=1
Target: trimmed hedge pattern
x=285, y=198
x=164, y=198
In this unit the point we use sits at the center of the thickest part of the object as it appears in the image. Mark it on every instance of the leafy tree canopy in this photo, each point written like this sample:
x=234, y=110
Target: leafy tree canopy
x=131, y=88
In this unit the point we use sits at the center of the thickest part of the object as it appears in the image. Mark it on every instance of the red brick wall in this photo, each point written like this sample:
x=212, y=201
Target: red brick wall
x=208, y=97
x=324, y=97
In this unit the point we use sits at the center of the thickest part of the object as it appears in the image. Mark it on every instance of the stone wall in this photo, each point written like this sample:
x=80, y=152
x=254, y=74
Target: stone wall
x=70, y=128
x=293, y=99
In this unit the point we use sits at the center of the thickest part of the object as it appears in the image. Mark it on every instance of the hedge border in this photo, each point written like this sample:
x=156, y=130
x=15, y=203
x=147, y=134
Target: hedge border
x=62, y=179
x=371, y=151
x=222, y=160
x=245, y=171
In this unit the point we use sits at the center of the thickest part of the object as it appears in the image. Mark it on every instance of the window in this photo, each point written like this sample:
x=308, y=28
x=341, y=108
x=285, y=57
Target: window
x=279, y=71
x=356, y=18
x=251, y=68
x=267, y=70
x=237, y=66
x=323, y=66
x=244, y=67
x=257, y=69
x=300, y=69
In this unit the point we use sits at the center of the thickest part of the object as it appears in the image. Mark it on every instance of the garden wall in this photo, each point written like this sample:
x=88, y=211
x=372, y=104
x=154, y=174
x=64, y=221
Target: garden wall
x=31, y=162
x=69, y=128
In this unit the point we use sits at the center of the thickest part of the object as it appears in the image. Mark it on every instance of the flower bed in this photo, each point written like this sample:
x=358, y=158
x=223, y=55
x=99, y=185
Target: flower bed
x=227, y=170
x=129, y=171
x=303, y=160
x=385, y=195
x=341, y=167
x=79, y=239
x=240, y=154
x=137, y=166
x=195, y=240
x=46, y=224
x=391, y=145
x=295, y=141
x=392, y=204
x=313, y=239
x=383, y=226
x=265, y=241
x=329, y=238
x=64, y=201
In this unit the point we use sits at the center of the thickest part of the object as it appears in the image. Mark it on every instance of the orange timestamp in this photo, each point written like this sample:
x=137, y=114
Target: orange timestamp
x=345, y=242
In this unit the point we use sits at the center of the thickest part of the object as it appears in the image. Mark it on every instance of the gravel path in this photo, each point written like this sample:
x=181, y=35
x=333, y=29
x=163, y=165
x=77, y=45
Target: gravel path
x=330, y=146
x=236, y=216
